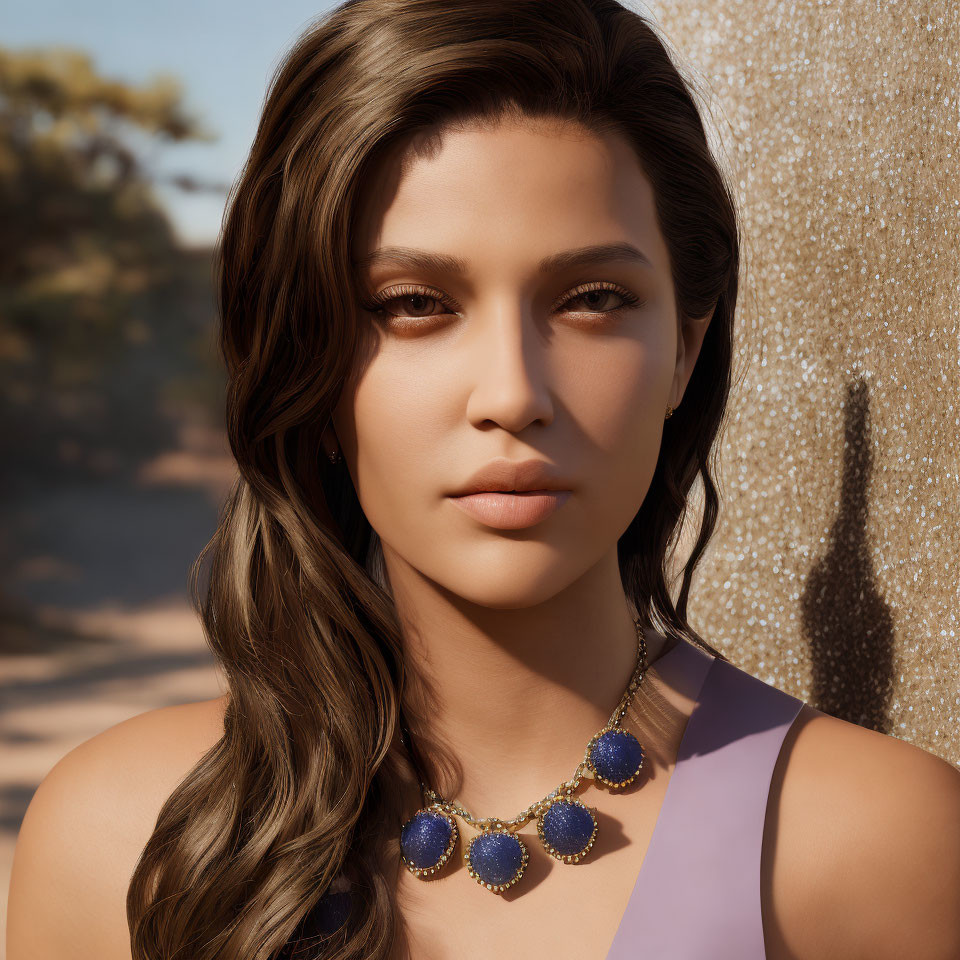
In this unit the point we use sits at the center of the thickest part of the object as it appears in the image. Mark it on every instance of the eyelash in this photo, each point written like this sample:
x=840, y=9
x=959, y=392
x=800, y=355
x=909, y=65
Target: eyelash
x=377, y=302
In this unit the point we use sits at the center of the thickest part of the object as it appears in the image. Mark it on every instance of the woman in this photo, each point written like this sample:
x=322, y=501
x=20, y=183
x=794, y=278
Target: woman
x=477, y=286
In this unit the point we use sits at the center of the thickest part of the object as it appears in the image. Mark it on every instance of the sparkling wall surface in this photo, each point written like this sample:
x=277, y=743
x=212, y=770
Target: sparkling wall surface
x=833, y=573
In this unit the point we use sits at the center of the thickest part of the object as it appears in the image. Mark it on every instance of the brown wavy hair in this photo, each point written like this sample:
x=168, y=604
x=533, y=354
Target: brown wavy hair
x=302, y=789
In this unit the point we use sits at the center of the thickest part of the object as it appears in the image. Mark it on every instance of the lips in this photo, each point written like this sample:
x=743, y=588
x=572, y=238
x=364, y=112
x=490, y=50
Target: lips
x=512, y=494
x=512, y=511
x=513, y=476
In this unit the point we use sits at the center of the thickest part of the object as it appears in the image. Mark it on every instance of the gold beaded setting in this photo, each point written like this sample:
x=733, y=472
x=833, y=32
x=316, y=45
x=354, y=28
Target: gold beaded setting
x=615, y=784
x=496, y=887
x=445, y=856
x=568, y=857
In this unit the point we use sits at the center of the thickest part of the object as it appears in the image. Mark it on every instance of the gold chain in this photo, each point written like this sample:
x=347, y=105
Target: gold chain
x=568, y=786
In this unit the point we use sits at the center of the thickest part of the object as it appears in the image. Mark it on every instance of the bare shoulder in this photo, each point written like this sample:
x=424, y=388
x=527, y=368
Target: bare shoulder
x=86, y=826
x=861, y=847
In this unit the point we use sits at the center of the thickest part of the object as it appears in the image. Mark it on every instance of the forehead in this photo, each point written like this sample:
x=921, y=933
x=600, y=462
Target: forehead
x=519, y=188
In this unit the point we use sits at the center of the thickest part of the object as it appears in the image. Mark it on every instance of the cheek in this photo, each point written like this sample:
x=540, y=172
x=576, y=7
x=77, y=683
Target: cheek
x=616, y=396
x=394, y=417
x=616, y=392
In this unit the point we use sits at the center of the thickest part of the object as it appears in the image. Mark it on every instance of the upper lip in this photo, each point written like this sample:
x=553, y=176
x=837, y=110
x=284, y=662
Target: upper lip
x=507, y=475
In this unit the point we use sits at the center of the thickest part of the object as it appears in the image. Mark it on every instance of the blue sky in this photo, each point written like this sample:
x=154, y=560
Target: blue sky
x=223, y=52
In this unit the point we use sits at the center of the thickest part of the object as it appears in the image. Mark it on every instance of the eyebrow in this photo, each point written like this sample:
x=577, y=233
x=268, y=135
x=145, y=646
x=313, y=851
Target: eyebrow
x=441, y=263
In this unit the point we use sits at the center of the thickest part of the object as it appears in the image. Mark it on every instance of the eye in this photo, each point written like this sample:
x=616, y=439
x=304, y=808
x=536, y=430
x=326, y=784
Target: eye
x=595, y=295
x=420, y=298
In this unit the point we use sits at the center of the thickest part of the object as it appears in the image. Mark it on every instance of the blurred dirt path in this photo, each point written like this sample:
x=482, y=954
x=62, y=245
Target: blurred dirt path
x=96, y=625
x=128, y=662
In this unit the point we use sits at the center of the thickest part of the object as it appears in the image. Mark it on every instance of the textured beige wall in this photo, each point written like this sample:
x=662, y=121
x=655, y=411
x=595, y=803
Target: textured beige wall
x=834, y=571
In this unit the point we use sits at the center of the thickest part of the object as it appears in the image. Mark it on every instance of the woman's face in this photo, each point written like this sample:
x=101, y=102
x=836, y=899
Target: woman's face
x=536, y=322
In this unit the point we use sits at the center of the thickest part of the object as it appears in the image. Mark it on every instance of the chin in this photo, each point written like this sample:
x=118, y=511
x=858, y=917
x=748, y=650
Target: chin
x=504, y=582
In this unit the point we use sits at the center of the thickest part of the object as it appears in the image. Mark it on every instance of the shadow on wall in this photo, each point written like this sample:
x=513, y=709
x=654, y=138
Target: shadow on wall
x=845, y=616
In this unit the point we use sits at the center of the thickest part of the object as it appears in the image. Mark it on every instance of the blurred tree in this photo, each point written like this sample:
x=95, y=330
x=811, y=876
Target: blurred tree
x=90, y=272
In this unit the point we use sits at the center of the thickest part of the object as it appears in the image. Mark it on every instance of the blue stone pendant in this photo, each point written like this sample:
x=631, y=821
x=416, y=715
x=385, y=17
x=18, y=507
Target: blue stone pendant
x=567, y=829
x=615, y=756
x=496, y=859
x=427, y=841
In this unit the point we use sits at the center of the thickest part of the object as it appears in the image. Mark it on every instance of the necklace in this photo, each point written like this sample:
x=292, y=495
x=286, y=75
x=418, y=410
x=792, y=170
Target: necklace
x=496, y=858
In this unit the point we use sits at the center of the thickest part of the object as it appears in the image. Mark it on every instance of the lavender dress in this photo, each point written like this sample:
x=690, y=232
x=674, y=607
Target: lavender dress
x=697, y=896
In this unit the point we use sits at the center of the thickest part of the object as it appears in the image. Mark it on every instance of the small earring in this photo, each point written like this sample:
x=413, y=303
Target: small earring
x=669, y=412
x=334, y=456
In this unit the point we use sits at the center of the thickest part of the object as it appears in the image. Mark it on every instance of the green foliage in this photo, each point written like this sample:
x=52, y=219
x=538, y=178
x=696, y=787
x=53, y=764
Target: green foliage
x=93, y=288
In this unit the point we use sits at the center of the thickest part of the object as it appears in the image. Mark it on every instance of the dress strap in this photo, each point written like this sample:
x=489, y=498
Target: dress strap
x=698, y=891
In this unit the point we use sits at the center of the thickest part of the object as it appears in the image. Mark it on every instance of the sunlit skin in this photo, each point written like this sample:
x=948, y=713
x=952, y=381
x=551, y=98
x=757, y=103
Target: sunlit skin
x=524, y=634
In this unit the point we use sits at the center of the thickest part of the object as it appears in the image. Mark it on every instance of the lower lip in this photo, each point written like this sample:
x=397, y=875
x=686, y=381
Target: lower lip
x=512, y=511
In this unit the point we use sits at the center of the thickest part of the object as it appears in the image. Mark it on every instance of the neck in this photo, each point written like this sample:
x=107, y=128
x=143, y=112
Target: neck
x=502, y=703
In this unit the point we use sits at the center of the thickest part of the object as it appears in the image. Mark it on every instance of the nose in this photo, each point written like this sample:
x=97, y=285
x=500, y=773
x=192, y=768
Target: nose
x=509, y=372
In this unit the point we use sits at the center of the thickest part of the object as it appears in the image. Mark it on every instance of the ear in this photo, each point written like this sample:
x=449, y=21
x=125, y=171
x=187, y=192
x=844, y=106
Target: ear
x=689, y=342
